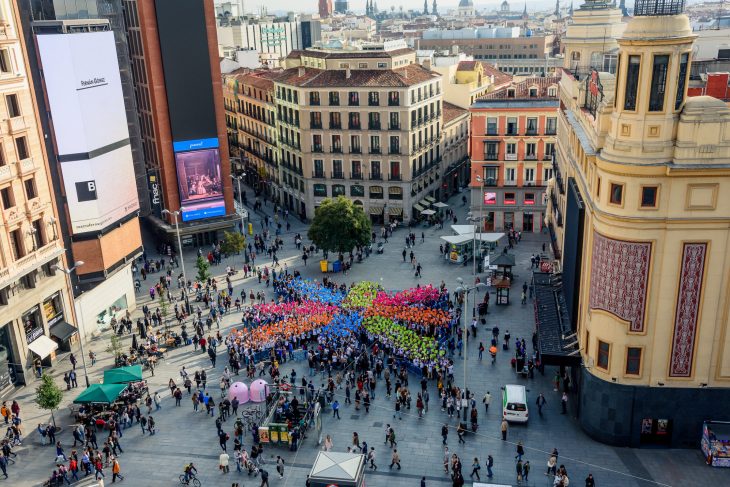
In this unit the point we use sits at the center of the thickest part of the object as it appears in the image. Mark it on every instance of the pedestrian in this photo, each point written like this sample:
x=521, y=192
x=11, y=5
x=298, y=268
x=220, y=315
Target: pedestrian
x=4, y=465
x=490, y=464
x=520, y=451
x=328, y=443
x=444, y=434
x=475, y=467
x=371, y=458
x=504, y=430
x=518, y=468
x=564, y=403
x=589, y=480
x=223, y=460
x=487, y=400
x=336, y=409
x=526, y=470
x=423, y=481
x=447, y=459
x=540, y=403
x=395, y=459
x=264, y=478
x=551, y=465
x=60, y=453
x=280, y=466
x=115, y=470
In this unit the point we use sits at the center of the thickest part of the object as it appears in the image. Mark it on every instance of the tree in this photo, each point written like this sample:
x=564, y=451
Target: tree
x=202, y=265
x=339, y=225
x=115, y=346
x=233, y=243
x=164, y=306
x=48, y=395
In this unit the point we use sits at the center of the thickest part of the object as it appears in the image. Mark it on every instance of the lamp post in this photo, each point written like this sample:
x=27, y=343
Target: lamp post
x=79, y=318
x=240, y=199
x=175, y=214
x=474, y=220
x=465, y=290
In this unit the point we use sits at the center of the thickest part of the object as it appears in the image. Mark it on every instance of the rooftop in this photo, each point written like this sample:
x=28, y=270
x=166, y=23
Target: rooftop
x=452, y=112
x=522, y=89
x=412, y=74
x=331, y=54
x=512, y=103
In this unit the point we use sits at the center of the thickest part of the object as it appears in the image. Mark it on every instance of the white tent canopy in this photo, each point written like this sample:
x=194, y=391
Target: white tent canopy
x=337, y=466
x=428, y=212
x=43, y=346
x=462, y=229
x=457, y=239
x=439, y=204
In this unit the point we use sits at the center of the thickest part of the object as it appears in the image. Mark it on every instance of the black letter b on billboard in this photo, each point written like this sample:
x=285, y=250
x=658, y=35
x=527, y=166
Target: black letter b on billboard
x=86, y=190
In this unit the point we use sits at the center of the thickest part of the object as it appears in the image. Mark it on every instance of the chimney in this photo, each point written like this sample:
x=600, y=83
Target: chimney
x=427, y=64
x=302, y=71
x=348, y=74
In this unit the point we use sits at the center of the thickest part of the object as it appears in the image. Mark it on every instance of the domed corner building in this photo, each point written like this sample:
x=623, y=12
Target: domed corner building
x=466, y=8
x=636, y=305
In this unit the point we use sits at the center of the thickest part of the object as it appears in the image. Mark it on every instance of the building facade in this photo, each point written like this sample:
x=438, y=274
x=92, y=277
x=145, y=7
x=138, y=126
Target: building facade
x=639, y=215
x=36, y=301
x=324, y=8
x=513, y=132
x=364, y=124
x=454, y=150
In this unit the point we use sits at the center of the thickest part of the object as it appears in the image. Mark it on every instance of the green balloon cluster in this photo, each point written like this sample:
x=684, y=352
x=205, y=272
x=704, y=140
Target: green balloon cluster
x=416, y=346
x=362, y=295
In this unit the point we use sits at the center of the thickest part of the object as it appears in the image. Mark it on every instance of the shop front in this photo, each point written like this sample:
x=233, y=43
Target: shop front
x=8, y=366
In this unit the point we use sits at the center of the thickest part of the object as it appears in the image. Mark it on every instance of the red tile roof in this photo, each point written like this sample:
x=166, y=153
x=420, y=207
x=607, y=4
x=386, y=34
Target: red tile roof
x=451, y=112
x=499, y=76
x=317, y=78
x=522, y=89
x=298, y=53
x=466, y=66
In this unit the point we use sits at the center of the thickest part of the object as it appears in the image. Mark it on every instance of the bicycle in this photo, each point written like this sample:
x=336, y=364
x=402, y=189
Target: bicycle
x=192, y=481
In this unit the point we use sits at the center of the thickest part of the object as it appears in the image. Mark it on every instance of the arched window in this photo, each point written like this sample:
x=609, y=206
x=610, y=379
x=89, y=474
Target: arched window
x=575, y=56
x=376, y=192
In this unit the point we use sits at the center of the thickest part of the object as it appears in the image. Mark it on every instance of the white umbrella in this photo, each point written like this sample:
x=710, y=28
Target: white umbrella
x=428, y=212
x=439, y=204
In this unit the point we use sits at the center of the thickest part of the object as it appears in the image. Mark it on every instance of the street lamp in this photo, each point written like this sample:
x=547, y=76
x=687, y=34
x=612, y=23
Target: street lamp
x=465, y=334
x=175, y=214
x=240, y=199
x=474, y=220
x=79, y=317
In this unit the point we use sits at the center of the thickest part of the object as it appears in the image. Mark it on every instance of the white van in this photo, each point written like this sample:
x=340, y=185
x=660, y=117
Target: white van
x=514, y=403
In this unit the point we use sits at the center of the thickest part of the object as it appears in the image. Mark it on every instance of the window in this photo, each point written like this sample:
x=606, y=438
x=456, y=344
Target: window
x=604, y=349
x=394, y=121
x=337, y=169
x=394, y=144
x=6, y=194
x=617, y=194
x=5, y=66
x=355, y=144
x=393, y=98
x=531, y=126
x=551, y=126
x=512, y=126
x=547, y=174
x=318, y=168
x=334, y=98
x=530, y=175
x=354, y=120
x=335, y=120
x=509, y=198
x=492, y=126
x=314, y=98
x=357, y=190
x=382, y=65
x=395, y=171
x=509, y=176
x=633, y=361
x=510, y=91
x=632, y=82
x=316, y=143
x=531, y=151
x=491, y=151
x=37, y=231
x=362, y=65
x=30, y=189
x=648, y=196
x=375, y=170
x=374, y=121
x=395, y=193
x=376, y=192
x=21, y=144
x=373, y=98
x=533, y=92
x=375, y=144
x=682, y=81
x=353, y=98
x=658, y=83
x=490, y=175
x=511, y=152
x=16, y=244
x=320, y=190
x=338, y=190
x=13, y=105
x=529, y=198
x=356, y=169
x=2, y=155
x=598, y=187
x=315, y=120
x=549, y=150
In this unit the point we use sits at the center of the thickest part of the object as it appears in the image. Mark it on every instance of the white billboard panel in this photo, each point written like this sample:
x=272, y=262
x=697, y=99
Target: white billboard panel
x=85, y=97
x=94, y=195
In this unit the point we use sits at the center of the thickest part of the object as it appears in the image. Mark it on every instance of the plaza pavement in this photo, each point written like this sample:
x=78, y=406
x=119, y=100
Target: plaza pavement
x=185, y=436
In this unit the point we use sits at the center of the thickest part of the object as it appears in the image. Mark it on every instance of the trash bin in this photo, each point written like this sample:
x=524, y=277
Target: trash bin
x=323, y=265
x=329, y=267
x=337, y=266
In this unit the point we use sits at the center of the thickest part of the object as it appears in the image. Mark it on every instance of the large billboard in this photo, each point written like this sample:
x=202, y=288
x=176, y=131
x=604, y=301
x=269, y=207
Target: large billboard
x=89, y=121
x=198, y=166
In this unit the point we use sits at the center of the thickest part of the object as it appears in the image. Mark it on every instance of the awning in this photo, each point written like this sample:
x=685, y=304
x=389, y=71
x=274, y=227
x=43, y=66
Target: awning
x=418, y=207
x=63, y=330
x=100, y=394
x=395, y=211
x=337, y=468
x=428, y=212
x=462, y=229
x=557, y=342
x=376, y=210
x=43, y=346
x=440, y=205
x=425, y=203
x=430, y=199
x=120, y=375
x=457, y=239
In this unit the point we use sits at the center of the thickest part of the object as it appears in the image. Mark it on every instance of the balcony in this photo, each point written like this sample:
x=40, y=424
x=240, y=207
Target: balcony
x=317, y=148
x=393, y=102
x=34, y=206
x=315, y=126
x=355, y=150
x=374, y=126
x=394, y=150
x=7, y=173
x=337, y=175
x=27, y=166
x=512, y=132
x=510, y=182
x=375, y=150
x=550, y=132
x=354, y=126
x=16, y=125
x=510, y=157
x=376, y=176
x=335, y=126
x=13, y=215
x=318, y=175
x=336, y=150
x=395, y=177
x=356, y=175
x=531, y=132
x=394, y=126
x=373, y=103
x=29, y=262
x=531, y=157
x=492, y=132
x=491, y=156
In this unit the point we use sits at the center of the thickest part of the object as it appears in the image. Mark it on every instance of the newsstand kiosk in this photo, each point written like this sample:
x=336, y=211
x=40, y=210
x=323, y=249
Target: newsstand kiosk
x=337, y=469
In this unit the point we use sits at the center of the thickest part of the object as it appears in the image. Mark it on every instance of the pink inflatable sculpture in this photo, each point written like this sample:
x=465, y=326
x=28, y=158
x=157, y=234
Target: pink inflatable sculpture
x=259, y=390
x=239, y=390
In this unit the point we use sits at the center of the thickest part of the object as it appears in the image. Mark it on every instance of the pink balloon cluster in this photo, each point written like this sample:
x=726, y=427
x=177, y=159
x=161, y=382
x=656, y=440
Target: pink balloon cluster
x=414, y=295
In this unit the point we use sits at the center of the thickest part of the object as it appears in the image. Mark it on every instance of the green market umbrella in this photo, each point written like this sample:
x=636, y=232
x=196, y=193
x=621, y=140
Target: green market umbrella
x=121, y=375
x=100, y=393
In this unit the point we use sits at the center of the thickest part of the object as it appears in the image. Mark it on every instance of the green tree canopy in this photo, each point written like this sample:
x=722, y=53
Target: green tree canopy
x=48, y=395
x=233, y=243
x=339, y=226
x=202, y=265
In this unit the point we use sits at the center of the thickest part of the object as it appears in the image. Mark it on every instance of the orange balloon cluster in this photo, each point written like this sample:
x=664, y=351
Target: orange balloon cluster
x=287, y=328
x=409, y=314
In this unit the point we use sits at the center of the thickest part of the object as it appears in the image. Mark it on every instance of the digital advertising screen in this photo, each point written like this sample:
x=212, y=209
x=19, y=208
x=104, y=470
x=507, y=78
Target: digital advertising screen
x=199, y=180
x=85, y=98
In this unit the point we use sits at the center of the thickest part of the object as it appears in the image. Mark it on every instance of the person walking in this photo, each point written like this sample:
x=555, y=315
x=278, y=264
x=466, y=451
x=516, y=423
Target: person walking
x=487, y=400
x=504, y=428
x=371, y=458
x=589, y=480
x=336, y=409
x=475, y=467
x=4, y=465
x=395, y=459
x=520, y=451
x=526, y=470
x=490, y=464
x=280, y=466
x=115, y=470
x=264, y=478
x=564, y=403
x=540, y=403
x=223, y=460
x=444, y=434
x=518, y=468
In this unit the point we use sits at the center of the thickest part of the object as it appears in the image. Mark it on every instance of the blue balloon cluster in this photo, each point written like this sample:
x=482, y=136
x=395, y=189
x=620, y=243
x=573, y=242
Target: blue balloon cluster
x=342, y=325
x=315, y=292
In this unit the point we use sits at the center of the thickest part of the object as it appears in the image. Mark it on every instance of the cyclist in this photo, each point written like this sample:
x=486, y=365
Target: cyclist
x=190, y=471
